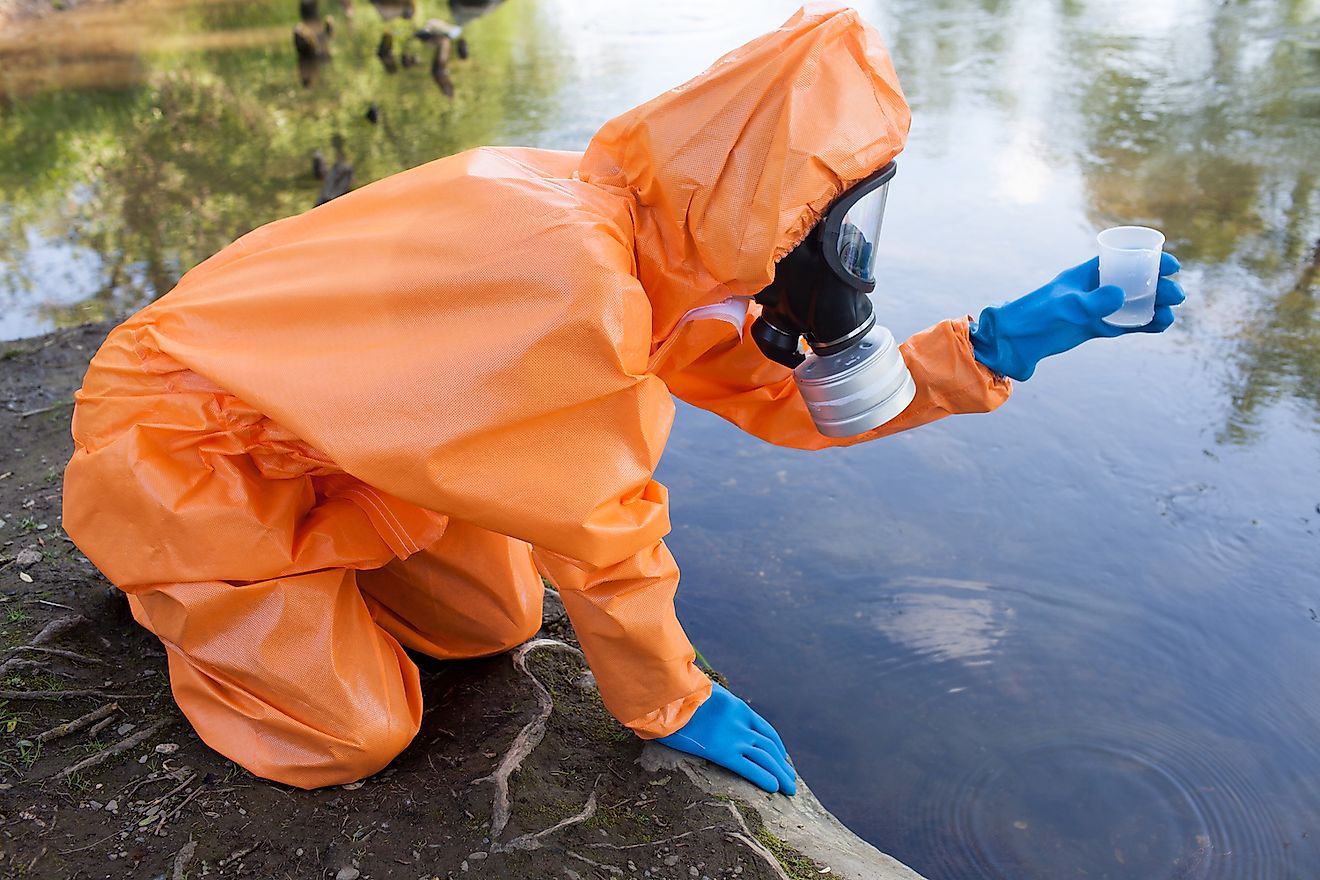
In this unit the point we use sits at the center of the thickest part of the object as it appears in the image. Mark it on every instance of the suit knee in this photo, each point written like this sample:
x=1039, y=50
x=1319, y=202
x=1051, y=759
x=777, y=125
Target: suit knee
x=320, y=761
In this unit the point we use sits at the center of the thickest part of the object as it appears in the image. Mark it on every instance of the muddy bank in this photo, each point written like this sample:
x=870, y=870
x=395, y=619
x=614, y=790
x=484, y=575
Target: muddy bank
x=101, y=776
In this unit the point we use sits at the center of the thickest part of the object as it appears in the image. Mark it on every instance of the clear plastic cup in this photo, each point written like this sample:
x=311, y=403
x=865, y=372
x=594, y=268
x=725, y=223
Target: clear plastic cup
x=1130, y=258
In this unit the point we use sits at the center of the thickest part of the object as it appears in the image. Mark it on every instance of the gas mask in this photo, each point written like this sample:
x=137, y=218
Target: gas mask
x=853, y=378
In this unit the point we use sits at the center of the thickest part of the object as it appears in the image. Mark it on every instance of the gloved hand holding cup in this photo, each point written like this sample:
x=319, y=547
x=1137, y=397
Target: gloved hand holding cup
x=1130, y=259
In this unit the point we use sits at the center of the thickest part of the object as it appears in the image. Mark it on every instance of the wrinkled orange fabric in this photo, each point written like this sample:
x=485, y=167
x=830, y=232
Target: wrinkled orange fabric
x=368, y=427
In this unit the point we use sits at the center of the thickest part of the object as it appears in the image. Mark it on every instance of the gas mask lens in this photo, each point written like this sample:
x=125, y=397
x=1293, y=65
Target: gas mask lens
x=859, y=232
x=850, y=229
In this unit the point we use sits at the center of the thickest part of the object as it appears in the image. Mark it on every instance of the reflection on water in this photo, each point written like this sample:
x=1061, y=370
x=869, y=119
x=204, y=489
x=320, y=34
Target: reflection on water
x=945, y=619
x=181, y=125
x=1070, y=639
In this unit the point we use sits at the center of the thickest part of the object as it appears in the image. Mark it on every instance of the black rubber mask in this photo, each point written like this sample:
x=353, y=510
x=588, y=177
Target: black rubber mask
x=820, y=289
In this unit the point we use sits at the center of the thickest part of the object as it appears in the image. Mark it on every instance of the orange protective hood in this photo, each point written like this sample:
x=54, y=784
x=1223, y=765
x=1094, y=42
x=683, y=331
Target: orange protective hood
x=732, y=169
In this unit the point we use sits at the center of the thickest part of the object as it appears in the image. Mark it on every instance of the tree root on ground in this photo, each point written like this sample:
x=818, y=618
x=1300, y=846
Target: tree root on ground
x=748, y=839
x=598, y=865
x=535, y=840
x=49, y=632
x=57, y=652
x=72, y=692
x=523, y=744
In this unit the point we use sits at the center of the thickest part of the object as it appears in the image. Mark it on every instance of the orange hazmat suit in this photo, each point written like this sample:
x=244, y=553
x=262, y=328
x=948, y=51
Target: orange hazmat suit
x=372, y=427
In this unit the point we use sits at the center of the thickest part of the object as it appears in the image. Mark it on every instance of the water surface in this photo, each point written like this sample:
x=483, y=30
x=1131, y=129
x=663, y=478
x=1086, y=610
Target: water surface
x=1075, y=638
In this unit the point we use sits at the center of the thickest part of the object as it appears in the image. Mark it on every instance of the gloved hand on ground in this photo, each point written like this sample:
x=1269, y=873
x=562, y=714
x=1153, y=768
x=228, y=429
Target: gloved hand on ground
x=726, y=731
x=1011, y=339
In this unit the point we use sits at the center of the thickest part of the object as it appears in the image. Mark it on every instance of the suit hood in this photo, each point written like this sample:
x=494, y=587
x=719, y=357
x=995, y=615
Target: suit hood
x=732, y=169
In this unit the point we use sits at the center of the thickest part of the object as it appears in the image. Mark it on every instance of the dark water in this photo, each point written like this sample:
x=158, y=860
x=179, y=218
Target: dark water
x=1072, y=639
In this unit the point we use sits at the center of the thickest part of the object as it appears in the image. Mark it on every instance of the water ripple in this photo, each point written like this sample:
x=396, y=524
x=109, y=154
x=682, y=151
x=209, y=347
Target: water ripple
x=1145, y=805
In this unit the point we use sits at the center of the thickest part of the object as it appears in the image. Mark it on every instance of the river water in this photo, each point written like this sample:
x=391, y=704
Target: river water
x=1079, y=637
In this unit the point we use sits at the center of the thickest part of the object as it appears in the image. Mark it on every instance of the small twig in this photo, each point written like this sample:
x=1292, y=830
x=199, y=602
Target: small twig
x=118, y=748
x=169, y=794
x=183, y=803
x=45, y=409
x=56, y=604
x=102, y=714
x=99, y=726
x=65, y=852
x=35, y=859
x=132, y=787
x=182, y=860
x=245, y=852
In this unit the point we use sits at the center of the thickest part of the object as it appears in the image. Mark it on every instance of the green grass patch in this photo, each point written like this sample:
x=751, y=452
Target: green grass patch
x=38, y=681
x=9, y=719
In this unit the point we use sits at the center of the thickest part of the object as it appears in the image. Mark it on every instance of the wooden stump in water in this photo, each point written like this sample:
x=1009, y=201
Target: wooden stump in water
x=339, y=178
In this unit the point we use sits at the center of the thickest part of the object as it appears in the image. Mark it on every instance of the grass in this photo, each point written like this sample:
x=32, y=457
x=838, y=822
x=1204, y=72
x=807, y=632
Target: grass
x=557, y=810
x=28, y=753
x=17, y=614
x=608, y=816
x=28, y=524
x=77, y=783
x=601, y=725
x=9, y=719
x=794, y=863
x=41, y=681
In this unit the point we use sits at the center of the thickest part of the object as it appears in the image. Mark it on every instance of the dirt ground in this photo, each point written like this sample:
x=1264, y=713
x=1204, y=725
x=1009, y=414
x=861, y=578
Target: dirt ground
x=100, y=775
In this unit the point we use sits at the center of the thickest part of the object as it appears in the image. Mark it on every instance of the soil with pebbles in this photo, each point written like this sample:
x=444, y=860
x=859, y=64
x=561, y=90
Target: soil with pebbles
x=126, y=788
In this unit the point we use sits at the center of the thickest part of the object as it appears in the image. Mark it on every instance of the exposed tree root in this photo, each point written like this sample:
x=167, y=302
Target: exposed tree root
x=527, y=739
x=745, y=836
x=57, y=627
x=58, y=652
x=647, y=843
x=601, y=865
x=535, y=840
x=72, y=692
x=49, y=632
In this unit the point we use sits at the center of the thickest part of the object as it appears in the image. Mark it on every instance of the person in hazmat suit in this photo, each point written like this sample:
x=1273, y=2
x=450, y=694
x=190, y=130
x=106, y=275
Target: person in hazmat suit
x=371, y=428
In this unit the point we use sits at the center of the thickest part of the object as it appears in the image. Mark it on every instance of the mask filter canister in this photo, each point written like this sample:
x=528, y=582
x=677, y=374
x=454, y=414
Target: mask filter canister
x=860, y=388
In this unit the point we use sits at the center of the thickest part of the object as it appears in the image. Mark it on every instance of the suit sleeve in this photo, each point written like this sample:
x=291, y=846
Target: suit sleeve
x=715, y=369
x=624, y=618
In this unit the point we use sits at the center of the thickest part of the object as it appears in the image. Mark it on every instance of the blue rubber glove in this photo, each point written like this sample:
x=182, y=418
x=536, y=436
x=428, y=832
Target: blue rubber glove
x=1011, y=339
x=726, y=731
